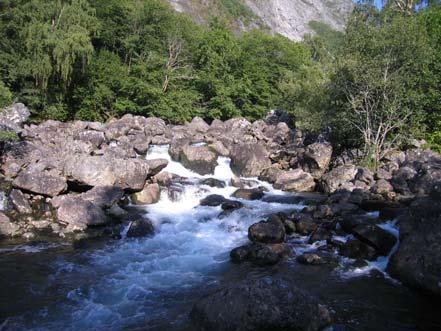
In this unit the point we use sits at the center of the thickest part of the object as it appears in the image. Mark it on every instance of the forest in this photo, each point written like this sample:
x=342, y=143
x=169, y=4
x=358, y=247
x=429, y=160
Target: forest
x=375, y=86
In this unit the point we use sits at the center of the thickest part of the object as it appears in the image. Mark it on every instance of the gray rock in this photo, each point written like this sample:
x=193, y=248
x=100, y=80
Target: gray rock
x=44, y=182
x=15, y=116
x=104, y=196
x=96, y=138
x=8, y=228
x=295, y=180
x=263, y=304
x=249, y=193
x=150, y=194
x=20, y=202
x=199, y=159
x=338, y=178
x=380, y=239
x=316, y=159
x=249, y=160
x=79, y=214
x=261, y=254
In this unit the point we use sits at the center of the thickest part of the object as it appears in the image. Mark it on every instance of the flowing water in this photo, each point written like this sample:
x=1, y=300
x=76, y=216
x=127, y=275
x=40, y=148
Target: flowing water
x=151, y=283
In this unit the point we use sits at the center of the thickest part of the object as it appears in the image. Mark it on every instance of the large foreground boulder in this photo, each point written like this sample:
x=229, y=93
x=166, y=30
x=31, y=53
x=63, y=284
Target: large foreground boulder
x=261, y=254
x=262, y=304
x=249, y=160
x=418, y=259
x=268, y=232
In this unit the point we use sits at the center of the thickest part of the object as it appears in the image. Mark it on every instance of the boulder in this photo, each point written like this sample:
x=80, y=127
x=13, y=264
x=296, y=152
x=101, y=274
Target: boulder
x=338, y=178
x=20, y=202
x=248, y=193
x=267, y=232
x=249, y=160
x=40, y=182
x=316, y=159
x=199, y=159
x=355, y=249
x=151, y=193
x=78, y=214
x=199, y=125
x=295, y=180
x=130, y=174
x=382, y=186
x=270, y=174
x=213, y=182
x=310, y=259
x=261, y=254
x=383, y=241
x=104, y=196
x=7, y=227
x=262, y=304
x=231, y=205
x=140, y=228
x=96, y=138
x=15, y=116
x=417, y=261
x=213, y=200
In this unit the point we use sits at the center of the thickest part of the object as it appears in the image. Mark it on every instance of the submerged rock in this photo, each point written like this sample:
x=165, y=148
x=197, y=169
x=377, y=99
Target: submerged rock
x=263, y=304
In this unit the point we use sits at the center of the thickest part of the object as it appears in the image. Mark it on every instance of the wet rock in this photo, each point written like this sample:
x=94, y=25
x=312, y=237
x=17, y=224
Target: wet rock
x=316, y=159
x=418, y=260
x=305, y=225
x=310, y=259
x=213, y=182
x=140, y=228
x=261, y=254
x=338, y=178
x=7, y=227
x=199, y=159
x=249, y=194
x=78, y=214
x=213, y=200
x=20, y=202
x=231, y=205
x=150, y=194
x=380, y=239
x=44, y=182
x=349, y=221
x=355, y=249
x=271, y=174
x=263, y=304
x=321, y=234
x=268, y=232
x=249, y=160
x=243, y=183
x=295, y=180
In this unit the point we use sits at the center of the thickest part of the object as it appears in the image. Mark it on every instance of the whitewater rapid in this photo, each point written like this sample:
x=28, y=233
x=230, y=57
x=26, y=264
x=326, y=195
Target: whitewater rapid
x=132, y=284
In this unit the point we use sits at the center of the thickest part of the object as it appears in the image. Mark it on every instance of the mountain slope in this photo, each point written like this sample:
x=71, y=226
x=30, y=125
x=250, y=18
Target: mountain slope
x=291, y=18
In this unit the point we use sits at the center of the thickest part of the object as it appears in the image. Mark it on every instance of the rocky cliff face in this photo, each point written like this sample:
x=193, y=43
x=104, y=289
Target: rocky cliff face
x=291, y=18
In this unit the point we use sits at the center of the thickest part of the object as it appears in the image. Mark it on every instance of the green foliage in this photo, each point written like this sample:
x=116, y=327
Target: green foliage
x=6, y=135
x=5, y=95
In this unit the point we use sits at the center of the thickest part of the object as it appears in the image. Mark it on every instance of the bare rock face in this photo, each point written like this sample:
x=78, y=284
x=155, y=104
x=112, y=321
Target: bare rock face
x=263, y=304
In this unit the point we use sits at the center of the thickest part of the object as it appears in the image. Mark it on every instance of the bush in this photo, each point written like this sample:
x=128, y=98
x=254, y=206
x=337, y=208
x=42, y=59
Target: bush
x=5, y=95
